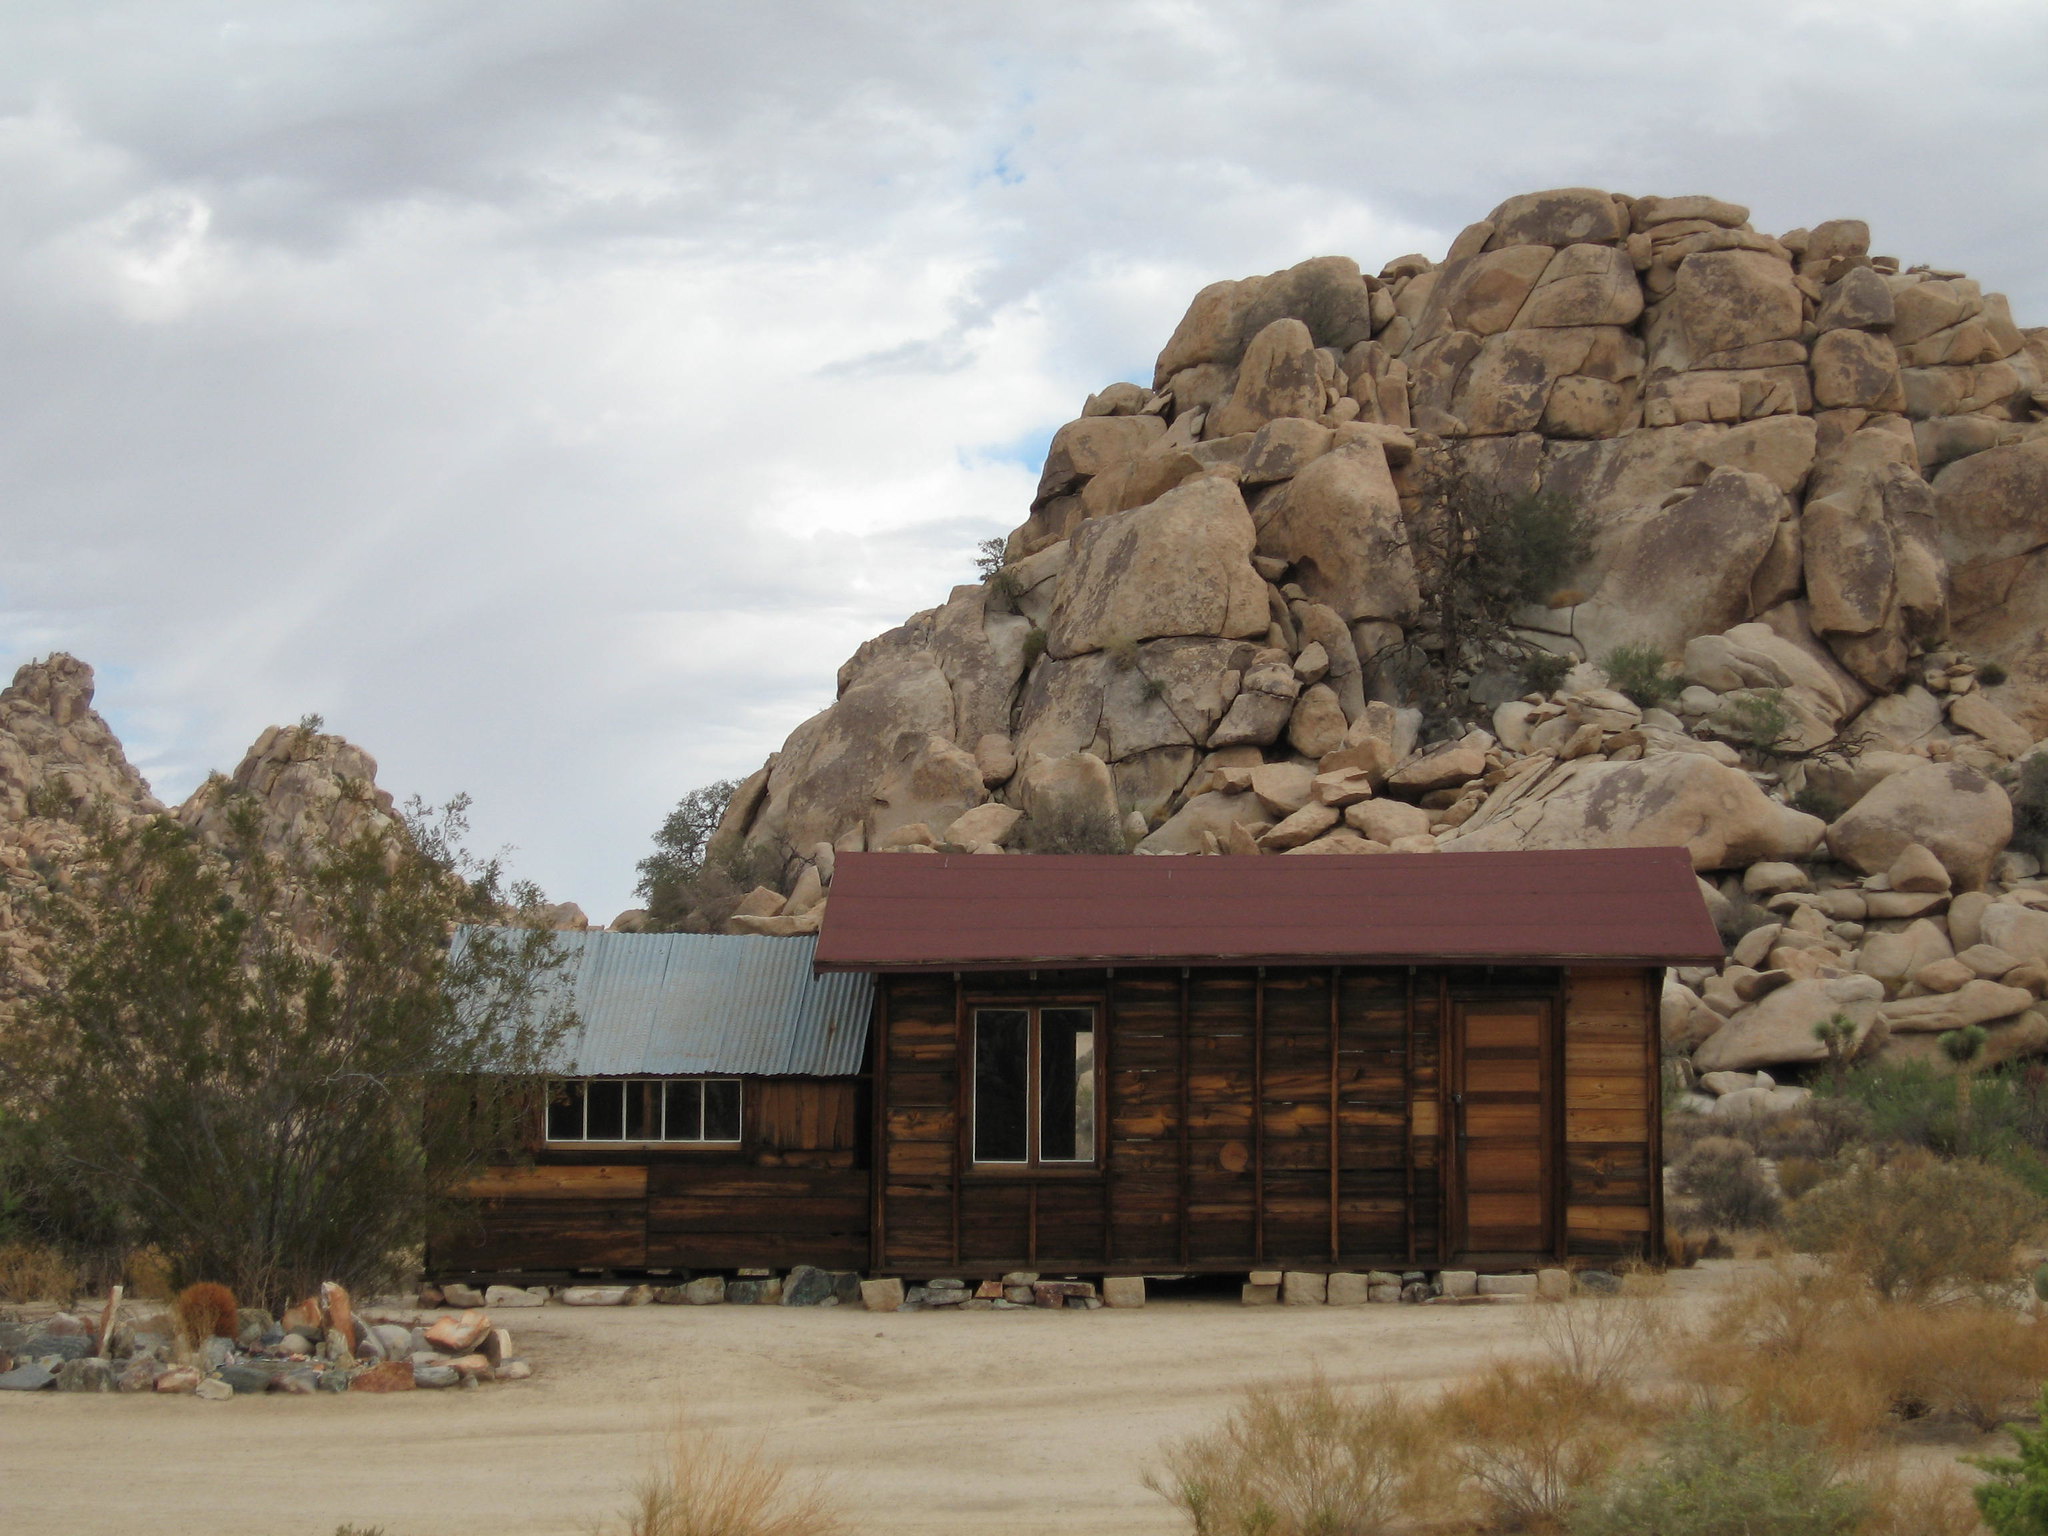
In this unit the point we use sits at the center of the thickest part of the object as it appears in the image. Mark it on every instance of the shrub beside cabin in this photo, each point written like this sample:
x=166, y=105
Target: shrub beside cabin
x=1121, y=1065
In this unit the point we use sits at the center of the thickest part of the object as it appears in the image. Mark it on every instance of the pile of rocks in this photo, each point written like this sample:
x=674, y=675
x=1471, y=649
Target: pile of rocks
x=1450, y=1287
x=1018, y=1291
x=319, y=1345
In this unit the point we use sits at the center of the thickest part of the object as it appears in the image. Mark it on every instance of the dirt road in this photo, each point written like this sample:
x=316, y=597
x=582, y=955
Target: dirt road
x=978, y=1424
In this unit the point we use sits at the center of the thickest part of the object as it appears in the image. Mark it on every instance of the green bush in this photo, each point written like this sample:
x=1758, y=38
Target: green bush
x=1726, y=1184
x=1544, y=540
x=1758, y=720
x=1720, y=1476
x=1824, y=803
x=988, y=557
x=2030, y=806
x=1543, y=671
x=1034, y=646
x=1916, y=1228
x=1990, y=674
x=1638, y=670
x=2014, y=1501
x=1913, y=1104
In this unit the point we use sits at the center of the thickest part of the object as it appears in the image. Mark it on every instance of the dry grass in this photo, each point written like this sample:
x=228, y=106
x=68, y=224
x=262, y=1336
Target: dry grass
x=1727, y=1185
x=707, y=1487
x=1531, y=1439
x=1306, y=1461
x=1917, y=1228
x=33, y=1272
x=1974, y=1363
x=205, y=1311
x=148, y=1274
x=1927, y=1503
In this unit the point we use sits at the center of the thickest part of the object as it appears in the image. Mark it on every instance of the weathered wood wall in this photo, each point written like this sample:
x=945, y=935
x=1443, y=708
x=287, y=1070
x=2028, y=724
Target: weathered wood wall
x=795, y=1191
x=1292, y=1118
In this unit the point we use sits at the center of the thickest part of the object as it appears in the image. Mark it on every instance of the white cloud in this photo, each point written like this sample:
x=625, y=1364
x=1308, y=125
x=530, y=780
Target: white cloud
x=552, y=394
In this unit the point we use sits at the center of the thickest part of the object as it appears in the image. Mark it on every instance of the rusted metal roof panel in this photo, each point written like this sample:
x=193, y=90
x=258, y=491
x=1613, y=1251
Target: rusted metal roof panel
x=894, y=911
x=685, y=1003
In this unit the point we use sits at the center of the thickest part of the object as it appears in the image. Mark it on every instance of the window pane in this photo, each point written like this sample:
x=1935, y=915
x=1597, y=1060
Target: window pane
x=636, y=1109
x=607, y=1120
x=565, y=1112
x=1002, y=1084
x=685, y=1111
x=1066, y=1084
x=722, y=1109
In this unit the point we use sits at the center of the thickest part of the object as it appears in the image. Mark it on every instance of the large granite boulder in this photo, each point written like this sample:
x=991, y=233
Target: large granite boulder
x=1338, y=525
x=1777, y=1030
x=1674, y=799
x=1181, y=566
x=1954, y=812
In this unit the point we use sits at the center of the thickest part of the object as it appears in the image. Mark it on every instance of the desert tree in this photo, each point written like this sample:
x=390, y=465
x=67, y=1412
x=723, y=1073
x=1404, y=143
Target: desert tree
x=269, y=1057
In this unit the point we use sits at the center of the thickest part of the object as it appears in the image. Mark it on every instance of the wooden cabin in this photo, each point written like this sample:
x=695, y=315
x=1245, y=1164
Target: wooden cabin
x=1118, y=1065
x=711, y=1114
x=1115, y=1064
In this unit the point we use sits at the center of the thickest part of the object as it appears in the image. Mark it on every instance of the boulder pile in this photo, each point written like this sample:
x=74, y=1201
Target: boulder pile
x=1816, y=481
x=319, y=1345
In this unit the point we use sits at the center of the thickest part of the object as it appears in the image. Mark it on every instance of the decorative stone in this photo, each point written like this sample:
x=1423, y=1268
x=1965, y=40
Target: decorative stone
x=593, y=1295
x=213, y=1391
x=1458, y=1282
x=704, y=1291
x=881, y=1295
x=434, y=1377
x=753, y=1293
x=1599, y=1282
x=1348, y=1290
x=514, y=1370
x=1264, y=1277
x=179, y=1378
x=1123, y=1290
x=1299, y=1288
x=459, y=1335
x=515, y=1296
x=455, y=1294
x=1260, y=1295
x=806, y=1286
x=1384, y=1294
x=1554, y=1284
x=29, y=1378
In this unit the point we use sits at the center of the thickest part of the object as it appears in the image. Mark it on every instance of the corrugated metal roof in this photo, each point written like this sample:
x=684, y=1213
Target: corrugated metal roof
x=894, y=911
x=674, y=1003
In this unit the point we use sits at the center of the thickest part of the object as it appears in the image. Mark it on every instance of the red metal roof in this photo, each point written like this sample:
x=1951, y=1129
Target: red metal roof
x=905, y=911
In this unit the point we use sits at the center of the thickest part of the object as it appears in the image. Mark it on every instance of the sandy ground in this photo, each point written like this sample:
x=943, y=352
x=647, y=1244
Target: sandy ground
x=1004, y=1423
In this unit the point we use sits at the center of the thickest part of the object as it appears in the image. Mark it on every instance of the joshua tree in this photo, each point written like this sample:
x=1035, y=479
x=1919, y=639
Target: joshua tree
x=1837, y=1034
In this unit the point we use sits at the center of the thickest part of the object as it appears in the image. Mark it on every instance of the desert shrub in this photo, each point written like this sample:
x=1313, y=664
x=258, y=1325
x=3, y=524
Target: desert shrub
x=1605, y=1343
x=1544, y=671
x=988, y=557
x=1304, y=1461
x=1034, y=646
x=31, y=1271
x=205, y=1311
x=1796, y=1175
x=1990, y=673
x=1924, y=1502
x=1122, y=653
x=148, y=1275
x=1815, y=801
x=1067, y=826
x=708, y=1487
x=1727, y=1185
x=1820, y=1129
x=1718, y=1475
x=1917, y=1228
x=1530, y=1439
x=1741, y=917
x=2030, y=806
x=1975, y=1363
x=1915, y=1104
x=2014, y=1500
x=1638, y=670
x=1758, y=720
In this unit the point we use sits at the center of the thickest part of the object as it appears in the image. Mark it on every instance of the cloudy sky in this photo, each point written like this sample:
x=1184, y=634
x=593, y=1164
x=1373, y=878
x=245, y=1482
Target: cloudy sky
x=551, y=393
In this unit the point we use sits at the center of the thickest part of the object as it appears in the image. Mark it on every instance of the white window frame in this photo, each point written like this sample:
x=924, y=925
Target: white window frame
x=644, y=1084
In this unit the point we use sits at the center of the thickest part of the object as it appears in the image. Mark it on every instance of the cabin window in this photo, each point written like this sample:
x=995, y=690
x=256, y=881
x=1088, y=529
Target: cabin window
x=1034, y=1085
x=645, y=1109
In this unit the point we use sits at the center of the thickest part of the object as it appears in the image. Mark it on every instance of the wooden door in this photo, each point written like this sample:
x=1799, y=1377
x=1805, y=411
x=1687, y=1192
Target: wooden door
x=1503, y=1112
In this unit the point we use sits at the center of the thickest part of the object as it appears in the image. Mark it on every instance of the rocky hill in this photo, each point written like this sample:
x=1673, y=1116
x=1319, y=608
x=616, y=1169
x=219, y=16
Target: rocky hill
x=1816, y=482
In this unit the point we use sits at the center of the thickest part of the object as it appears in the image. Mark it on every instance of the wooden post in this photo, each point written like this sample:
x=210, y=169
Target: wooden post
x=107, y=1320
x=1103, y=1144
x=1259, y=1115
x=963, y=1100
x=878, y=1134
x=1336, y=1162
x=1186, y=1168
x=1408, y=1113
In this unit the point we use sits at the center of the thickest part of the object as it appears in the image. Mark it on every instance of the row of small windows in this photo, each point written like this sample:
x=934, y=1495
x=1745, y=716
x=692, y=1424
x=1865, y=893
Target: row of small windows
x=694, y=1109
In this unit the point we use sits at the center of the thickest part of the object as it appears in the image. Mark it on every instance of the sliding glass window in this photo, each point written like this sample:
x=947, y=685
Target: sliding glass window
x=1034, y=1086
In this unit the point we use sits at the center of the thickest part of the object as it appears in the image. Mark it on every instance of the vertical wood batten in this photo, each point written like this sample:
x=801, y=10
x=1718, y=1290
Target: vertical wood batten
x=963, y=1066
x=1259, y=1115
x=1653, y=1099
x=1186, y=1048
x=1408, y=1112
x=1336, y=1162
x=878, y=1131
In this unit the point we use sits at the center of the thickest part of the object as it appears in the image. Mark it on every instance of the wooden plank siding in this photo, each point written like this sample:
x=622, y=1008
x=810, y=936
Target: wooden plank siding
x=1284, y=1117
x=795, y=1191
